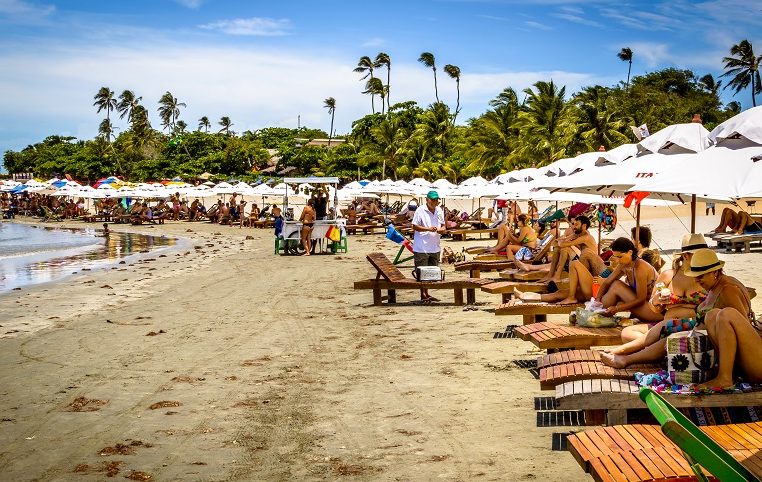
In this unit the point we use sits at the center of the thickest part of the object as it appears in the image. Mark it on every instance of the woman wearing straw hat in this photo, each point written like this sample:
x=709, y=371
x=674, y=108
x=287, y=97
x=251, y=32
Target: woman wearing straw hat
x=726, y=301
x=675, y=294
x=728, y=318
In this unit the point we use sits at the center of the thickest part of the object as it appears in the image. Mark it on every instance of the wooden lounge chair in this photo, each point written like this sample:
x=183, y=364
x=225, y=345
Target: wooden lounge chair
x=553, y=336
x=390, y=278
x=572, y=365
x=475, y=268
x=463, y=234
x=538, y=257
x=506, y=288
x=535, y=312
x=738, y=242
x=518, y=275
x=700, y=449
x=645, y=453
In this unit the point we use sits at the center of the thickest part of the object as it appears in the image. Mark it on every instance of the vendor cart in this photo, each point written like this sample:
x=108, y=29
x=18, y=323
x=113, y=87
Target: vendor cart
x=289, y=241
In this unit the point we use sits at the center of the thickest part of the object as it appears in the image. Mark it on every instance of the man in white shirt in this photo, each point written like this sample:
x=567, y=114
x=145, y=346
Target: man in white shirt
x=428, y=225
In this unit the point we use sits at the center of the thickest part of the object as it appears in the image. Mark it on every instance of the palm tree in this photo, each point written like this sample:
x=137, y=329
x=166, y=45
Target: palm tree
x=743, y=65
x=127, y=104
x=169, y=110
x=374, y=87
x=597, y=125
x=106, y=130
x=105, y=100
x=204, y=122
x=494, y=136
x=365, y=66
x=546, y=125
x=427, y=59
x=330, y=104
x=387, y=137
x=625, y=55
x=226, y=124
x=454, y=72
x=710, y=84
x=383, y=60
x=181, y=126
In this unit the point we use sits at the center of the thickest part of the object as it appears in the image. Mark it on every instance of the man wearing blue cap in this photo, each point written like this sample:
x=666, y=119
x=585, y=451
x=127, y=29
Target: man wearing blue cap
x=428, y=224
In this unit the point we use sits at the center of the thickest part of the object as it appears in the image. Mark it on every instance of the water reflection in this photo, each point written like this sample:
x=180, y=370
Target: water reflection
x=52, y=254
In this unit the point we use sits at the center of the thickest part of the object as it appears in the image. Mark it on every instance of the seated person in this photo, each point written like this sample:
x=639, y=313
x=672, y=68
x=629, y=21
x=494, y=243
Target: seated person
x=452, y=218
x=738, y=222
x=193, y=210
x=726, y=315
x=685, y=294
x=409, y=210
x=507, y=242
x=643, y=240
x=253, y=215
x=161, y=211
x=351, y=214
x=225, y=215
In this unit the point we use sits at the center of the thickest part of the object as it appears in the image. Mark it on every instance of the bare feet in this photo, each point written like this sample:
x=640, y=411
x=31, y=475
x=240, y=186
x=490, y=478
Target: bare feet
x=521, y=266
x=616, y=361
x=716, y=383
x=568, y=301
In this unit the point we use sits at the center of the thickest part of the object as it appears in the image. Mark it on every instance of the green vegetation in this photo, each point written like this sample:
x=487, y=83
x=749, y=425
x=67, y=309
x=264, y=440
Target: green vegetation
x=404, y=139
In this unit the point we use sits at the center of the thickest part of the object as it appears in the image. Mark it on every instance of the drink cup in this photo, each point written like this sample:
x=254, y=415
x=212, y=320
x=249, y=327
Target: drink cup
x=596, y=287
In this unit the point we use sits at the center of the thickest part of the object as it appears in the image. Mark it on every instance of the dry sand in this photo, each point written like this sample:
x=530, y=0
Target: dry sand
x=264, y=367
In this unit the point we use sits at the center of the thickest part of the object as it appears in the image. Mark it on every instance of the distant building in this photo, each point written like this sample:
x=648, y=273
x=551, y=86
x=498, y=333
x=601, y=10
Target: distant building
x=324, y=142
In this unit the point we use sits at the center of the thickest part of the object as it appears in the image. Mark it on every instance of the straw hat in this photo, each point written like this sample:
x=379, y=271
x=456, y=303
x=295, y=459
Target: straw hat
x=692, y=242
x=703, y=261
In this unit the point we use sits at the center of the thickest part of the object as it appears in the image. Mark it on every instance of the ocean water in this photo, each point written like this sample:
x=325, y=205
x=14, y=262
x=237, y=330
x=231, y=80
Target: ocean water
x=31, y=255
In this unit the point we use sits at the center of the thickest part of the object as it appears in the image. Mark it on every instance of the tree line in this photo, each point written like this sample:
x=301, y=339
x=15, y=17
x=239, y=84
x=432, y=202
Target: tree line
x=400, y=140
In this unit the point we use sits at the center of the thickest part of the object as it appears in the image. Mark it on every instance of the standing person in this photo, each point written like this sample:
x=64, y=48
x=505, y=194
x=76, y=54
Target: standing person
x=308, y=222
x=709, y=206
x=321, y=205
x=428, y=227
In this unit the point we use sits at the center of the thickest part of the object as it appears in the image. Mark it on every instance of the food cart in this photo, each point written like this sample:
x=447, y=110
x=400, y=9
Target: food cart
x=304, y=188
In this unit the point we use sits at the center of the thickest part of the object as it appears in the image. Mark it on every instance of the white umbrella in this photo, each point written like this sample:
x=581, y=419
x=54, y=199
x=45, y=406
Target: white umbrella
x=747, y=124
x=679, y=137
x=419, y=181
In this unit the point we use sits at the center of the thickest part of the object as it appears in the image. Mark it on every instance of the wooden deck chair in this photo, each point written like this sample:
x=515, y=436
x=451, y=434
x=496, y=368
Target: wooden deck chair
x=546, y=243
x=699, y=449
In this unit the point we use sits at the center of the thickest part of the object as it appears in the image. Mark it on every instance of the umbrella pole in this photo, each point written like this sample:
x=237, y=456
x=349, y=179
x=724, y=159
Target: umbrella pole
x=637, y=224
x=693, y=213
x=599, y=229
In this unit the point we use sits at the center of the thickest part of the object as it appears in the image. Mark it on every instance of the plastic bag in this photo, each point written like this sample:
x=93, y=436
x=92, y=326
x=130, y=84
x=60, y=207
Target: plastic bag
x=592, y=319
x=595, y=306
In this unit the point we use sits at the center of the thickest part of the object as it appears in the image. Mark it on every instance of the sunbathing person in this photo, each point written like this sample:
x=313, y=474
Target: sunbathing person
x=738, y=222
x=725, y=294
x=509, y=243
x=677, y=306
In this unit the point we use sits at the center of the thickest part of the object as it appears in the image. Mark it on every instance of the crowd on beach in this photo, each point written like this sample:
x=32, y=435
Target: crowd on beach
x=629, y=276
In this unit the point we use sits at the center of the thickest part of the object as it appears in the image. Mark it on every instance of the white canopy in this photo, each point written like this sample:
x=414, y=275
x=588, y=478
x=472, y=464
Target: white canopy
x=747, y=124
x=690, y=137
x=727, y=170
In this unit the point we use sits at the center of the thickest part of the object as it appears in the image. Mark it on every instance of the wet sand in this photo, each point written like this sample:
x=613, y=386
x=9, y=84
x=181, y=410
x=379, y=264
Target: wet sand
x=225, y=362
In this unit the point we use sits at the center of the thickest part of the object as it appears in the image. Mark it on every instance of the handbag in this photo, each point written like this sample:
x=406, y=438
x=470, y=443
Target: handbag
x=690, y=357
x=428, y=273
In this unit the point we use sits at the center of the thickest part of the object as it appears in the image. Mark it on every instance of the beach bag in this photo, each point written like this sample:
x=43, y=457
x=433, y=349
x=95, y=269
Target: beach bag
x=428, y=273
x=690, y=357
x=448, y=255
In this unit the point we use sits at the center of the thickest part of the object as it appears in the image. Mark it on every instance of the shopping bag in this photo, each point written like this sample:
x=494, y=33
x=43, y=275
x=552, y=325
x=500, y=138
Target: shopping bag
x=690, y=357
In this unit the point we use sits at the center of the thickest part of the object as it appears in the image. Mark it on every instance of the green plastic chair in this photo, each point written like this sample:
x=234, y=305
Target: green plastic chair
x=697, y=447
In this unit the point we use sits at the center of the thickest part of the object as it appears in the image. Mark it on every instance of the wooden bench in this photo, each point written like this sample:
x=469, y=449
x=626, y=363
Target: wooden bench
x=462, y=234
x=553, y=336
x=535, y=312
x=555, y=375
x=518, y=275
x=365, y=228
x=738, y=242
x=616, y=396
x=476, y=267
x=643, y=453
x=391, y=279
x=506, y=288
x=263, y=223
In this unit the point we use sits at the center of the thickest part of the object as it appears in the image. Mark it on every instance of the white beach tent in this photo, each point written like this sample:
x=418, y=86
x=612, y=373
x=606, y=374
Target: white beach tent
x=419, y=181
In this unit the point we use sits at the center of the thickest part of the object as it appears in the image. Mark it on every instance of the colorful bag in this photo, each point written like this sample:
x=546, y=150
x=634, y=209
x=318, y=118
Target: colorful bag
x=690, y=357
x=333, y=233
x=592, y=319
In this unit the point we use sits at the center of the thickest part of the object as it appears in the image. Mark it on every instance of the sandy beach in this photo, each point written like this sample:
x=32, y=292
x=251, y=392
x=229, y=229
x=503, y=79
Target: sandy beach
x=225, y=362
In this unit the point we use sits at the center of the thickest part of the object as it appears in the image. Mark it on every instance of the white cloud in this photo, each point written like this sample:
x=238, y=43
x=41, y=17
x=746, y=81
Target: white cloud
x=20, y=10
x=256, y=26
x=537, y=25
x=374, y=42
x=653, y=54
x=52, y=91
x=190, y=3
x=576, y=18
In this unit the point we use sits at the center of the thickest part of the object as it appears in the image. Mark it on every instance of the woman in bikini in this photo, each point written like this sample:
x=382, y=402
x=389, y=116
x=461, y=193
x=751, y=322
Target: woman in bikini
x=507, y=241
x=678, y=306
x=726, y=315
x=632, y=294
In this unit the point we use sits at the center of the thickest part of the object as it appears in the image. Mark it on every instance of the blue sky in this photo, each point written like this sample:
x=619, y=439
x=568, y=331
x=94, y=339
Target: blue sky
x=266, y=63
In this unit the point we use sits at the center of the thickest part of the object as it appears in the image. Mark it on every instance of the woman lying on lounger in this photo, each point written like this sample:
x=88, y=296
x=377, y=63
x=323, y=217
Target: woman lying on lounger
x=726, y=315
x=508, y=242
